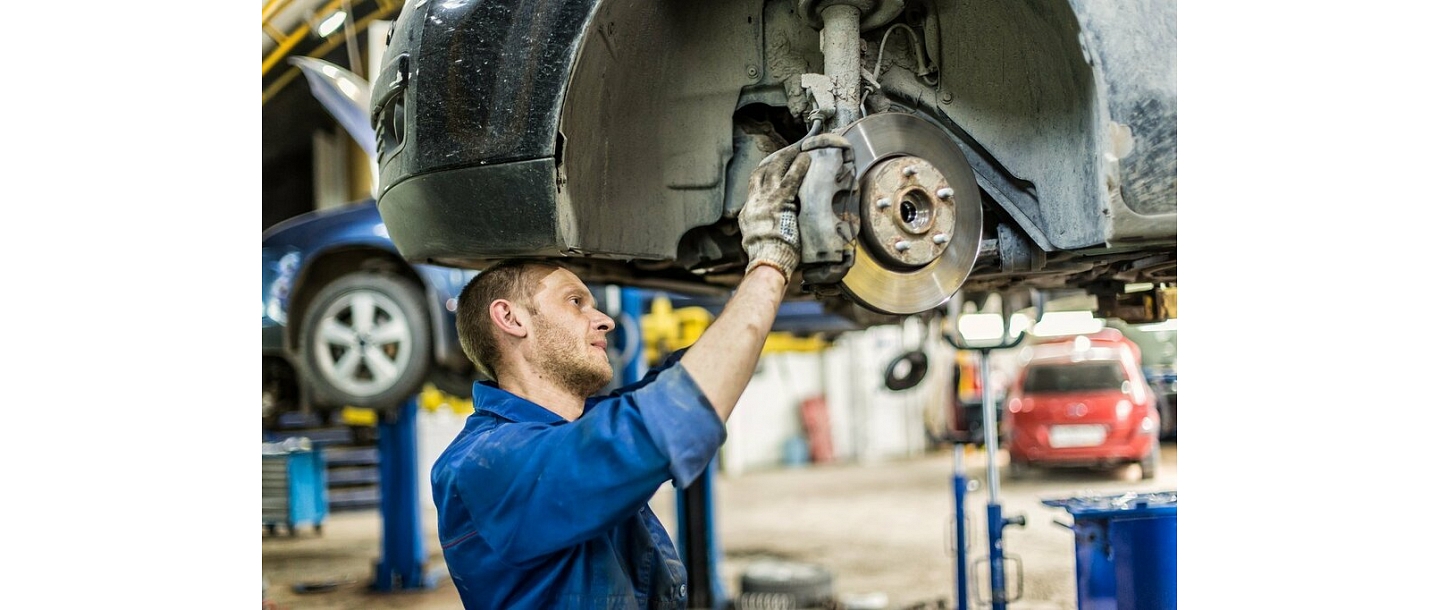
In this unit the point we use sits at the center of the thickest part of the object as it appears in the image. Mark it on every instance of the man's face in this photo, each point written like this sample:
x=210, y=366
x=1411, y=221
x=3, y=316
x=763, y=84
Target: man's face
x=570, y=334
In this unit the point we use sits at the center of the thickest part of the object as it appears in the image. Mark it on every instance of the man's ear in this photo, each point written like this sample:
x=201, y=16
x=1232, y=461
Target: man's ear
x=509, y=318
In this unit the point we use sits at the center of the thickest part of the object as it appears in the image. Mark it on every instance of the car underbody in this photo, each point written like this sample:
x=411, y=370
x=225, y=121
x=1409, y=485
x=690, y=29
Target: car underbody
x=1021, y=148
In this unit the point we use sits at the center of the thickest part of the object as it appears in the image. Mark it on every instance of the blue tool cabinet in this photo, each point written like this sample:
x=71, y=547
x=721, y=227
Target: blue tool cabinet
x=293, y=492
x=1125, y=550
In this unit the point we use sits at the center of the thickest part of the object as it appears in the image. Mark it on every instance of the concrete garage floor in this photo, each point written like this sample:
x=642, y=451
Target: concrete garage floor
x=882, y=530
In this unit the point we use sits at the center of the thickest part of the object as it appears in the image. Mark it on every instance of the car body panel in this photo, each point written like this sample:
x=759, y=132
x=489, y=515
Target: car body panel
x=506, y=63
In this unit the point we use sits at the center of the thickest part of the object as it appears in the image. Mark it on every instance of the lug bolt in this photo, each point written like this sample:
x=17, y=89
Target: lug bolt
x=901, y=246
x=941, y=238
x=945, y=192
x=883, y=203
x=908, y=171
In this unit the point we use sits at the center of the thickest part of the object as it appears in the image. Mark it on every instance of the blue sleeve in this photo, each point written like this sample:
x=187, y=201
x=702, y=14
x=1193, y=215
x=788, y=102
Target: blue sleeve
x=533, y=489
x=650, y=376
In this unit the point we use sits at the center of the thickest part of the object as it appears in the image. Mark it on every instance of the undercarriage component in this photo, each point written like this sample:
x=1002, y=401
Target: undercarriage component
x=826, y=197
x=921, y=215
x=577, y=118
x=840, y=43
x=908, y=212
x=1154, y=305
x=873, y=13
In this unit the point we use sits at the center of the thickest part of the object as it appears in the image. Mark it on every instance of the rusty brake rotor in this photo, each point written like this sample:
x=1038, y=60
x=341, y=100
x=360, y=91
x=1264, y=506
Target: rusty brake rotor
x=919, y=211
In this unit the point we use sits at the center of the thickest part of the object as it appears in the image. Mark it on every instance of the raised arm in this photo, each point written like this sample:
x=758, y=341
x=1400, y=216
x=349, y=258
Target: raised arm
x=723, y=359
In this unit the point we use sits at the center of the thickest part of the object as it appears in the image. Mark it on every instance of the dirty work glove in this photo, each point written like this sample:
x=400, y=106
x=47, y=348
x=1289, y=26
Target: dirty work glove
x=828, y=140
x=769, y=224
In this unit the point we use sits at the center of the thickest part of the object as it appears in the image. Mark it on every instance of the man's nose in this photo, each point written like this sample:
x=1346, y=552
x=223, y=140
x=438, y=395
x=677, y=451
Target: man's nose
x=606, y=322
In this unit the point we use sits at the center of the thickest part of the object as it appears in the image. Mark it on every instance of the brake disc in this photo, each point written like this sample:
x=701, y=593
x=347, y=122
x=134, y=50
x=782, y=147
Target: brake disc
x=919, y=213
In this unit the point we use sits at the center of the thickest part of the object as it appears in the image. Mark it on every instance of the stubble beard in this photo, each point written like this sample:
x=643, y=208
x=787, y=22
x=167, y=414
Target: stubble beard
x=566, y=367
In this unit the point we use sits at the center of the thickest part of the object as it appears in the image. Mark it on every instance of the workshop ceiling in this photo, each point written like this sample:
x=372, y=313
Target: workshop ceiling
x=332, y=30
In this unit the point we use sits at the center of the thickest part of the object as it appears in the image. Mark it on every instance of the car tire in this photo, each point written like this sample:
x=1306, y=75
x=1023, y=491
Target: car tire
x=1165, y=405
x=783, y=584
x=1151, y=462
x=344, y=364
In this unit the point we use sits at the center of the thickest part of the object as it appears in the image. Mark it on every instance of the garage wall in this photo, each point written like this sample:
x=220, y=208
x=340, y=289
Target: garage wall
x=433, y=432
x=868, y=422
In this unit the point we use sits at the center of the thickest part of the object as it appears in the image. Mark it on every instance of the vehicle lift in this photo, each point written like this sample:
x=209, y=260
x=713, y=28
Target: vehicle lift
x=402, y=543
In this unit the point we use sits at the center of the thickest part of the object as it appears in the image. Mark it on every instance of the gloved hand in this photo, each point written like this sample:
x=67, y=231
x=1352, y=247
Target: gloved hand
x=769, y=226
x=828, y=140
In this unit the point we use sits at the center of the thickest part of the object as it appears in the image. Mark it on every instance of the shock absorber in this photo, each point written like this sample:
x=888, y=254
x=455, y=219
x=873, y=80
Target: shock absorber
x=835, y=95
x=828, y=218
x=840, y=42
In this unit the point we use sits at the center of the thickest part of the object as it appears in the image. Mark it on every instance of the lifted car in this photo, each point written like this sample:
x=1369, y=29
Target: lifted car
x=346, y=322
x=1021, y=148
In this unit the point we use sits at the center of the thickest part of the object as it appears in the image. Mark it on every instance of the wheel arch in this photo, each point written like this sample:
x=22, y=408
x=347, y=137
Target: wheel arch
x=1023, y=89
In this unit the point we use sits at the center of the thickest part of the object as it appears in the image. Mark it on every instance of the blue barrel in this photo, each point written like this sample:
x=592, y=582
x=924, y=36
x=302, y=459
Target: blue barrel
x=1125, y=553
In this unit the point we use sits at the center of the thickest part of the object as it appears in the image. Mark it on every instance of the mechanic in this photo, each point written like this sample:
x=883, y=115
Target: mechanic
x=543, y=496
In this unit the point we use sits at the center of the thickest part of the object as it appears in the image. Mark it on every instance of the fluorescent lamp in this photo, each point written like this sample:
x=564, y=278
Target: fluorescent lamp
x=1057, y=323
x=1172, y=325
x=981, y=328
x=331, y=23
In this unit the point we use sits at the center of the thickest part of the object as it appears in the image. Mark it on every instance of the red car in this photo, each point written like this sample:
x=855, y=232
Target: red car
x=1082, y=401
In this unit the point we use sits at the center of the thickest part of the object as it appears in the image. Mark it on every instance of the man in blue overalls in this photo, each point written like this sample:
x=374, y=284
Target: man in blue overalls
x=543, y=496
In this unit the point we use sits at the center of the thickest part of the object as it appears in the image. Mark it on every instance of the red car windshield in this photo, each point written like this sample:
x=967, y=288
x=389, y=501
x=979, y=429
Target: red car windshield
x=1074, y=377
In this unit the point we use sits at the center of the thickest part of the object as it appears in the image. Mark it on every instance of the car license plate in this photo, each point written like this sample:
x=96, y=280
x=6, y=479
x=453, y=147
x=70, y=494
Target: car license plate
x=1076, y=436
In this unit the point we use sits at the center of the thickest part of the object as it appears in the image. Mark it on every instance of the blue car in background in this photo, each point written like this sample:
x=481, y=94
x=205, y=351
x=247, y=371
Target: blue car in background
x=347, y=322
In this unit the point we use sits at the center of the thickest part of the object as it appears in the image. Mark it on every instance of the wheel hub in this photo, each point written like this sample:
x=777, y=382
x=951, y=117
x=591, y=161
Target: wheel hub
x=920, y=215
x=909, y=211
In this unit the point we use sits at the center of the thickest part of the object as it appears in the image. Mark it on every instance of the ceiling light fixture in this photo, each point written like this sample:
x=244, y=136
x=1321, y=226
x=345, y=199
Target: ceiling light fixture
x=330, y=24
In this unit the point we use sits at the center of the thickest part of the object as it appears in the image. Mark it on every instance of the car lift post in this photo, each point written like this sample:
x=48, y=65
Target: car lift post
x=694, y=505
x=960, y=485
x=402, y=547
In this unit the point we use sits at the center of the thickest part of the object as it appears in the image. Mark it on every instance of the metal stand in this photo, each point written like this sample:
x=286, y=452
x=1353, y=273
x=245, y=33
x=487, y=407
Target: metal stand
x=402, y=547
x=961, y=485
x=995, y=522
